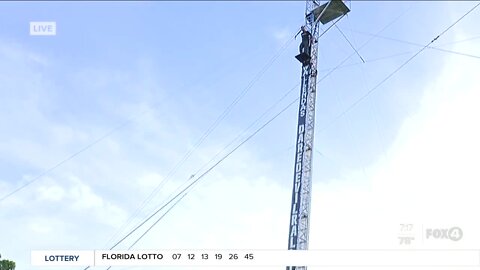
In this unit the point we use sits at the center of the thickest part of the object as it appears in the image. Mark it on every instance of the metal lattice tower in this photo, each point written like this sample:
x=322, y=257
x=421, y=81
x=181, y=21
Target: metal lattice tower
x=302, y=183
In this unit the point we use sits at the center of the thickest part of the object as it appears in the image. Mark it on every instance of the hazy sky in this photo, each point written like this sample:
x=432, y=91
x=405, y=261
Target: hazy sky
x=406, y=154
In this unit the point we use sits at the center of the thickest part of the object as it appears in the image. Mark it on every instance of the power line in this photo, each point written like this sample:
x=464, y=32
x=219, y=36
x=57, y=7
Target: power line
x=205, y=173
x=235, y=139
x=231, y=142
x=458, y=41
x=126, y=122
x=364, y=44
x=250, y=126
x=346, y=111
x=151, y=216
x=88, y=146
x=395, y=71
x=218, y=153
x=207, y=133
x=238, y=136
x=160, y=218
x=195, y=181
x=248, y=138
x=186, y=190
x=366, y=61
x=85, y=148
x=233, y=150
x=399, y=54
x=403, y=53
x=419, y=45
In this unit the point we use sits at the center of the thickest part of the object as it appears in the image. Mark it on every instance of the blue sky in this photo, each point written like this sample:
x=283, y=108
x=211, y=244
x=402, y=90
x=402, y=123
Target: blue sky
x=175, y=66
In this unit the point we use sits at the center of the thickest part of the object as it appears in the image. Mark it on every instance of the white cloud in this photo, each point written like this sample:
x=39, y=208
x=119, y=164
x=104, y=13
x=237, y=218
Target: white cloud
x=53, y=193
x=41, y=226
x=83, y=197
x=282, y=35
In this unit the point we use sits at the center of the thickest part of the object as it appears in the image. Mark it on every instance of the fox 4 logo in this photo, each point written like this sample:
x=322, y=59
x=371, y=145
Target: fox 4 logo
x=454, y=234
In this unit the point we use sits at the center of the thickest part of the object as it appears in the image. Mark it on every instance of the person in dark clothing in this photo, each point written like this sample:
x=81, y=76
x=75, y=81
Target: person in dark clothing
x=304, y=56
x=305, y=45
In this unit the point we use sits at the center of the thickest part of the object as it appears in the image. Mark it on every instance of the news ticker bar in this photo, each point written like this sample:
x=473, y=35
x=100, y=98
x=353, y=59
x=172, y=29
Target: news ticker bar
x=398, y=257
